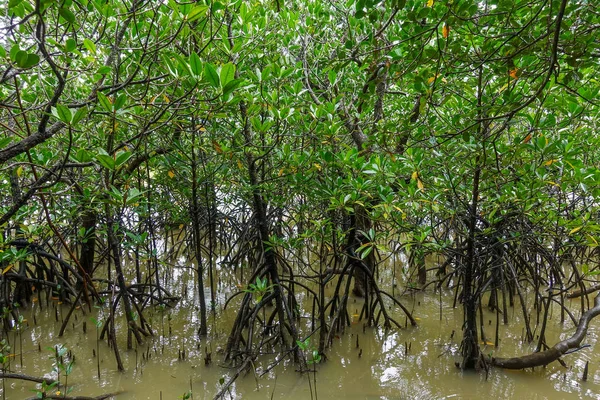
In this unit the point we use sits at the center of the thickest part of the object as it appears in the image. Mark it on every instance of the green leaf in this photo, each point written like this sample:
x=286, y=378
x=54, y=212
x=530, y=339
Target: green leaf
x=14, y=50
x=5, y=141
x=227, y=73
x=105, y=102
x=106, y=161
x=170, y=66
x=195, y=64
x=83, y=156
x=21, y=59
x=88, y=44
x=120, y=102
x=32, y=59
x=79, y=115
x=231, y=86
x=71, y=45
x=122, y=158
x=210, y=73
x=196, y=12
x=67, y=15
x=62, y=113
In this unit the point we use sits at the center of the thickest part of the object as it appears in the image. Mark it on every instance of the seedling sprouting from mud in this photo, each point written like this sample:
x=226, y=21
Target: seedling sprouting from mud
x=4, y=361
x=63, y=364
x=98, y=325
x=314, y=357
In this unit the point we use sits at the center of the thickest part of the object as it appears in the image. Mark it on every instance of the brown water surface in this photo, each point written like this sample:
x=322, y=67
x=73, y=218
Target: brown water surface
x=381, y=368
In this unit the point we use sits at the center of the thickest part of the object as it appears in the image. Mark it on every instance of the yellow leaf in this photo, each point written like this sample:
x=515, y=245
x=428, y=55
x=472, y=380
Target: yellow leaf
x=19, y=171
x=280, y=172
x=5, y=270
x=503, y=88
x=240, y=165
x=574, y=230
x=420, y=184
x=166, y=98
x=414, y=175
x=430, y=80
x=446, y=31
x=180, y=226
x=527, y=138
x=550, y=162
x=317, y=166
x=429, y=3
x=513, y=73
x=593, y=239
x=171, y=174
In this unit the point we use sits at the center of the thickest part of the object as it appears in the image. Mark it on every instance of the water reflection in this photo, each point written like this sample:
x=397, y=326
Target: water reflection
x=412, y=363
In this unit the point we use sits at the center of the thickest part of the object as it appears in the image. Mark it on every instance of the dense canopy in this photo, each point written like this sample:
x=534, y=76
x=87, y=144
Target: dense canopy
x=302, y=142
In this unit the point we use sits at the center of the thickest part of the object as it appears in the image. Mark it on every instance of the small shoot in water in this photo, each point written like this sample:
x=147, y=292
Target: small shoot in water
x=259, y=289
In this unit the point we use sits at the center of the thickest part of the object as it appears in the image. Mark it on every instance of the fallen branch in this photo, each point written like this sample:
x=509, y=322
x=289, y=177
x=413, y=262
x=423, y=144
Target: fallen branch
x=23, y=377
x=61, y=397
x=554, y=353
x=579, y=293
x=245, y=365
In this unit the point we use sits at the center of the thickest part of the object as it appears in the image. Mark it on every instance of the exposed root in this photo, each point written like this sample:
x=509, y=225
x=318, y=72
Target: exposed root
x=554, y=353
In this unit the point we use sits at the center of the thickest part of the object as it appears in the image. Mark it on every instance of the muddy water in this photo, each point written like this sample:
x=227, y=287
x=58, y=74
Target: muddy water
x=413, y=363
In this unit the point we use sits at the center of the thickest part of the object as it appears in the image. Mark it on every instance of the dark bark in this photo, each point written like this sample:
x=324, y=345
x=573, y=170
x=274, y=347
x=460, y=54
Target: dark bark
x=586, y=291
x=470, y=345
x=555, y=352
x=23, y=377
x=88, y=246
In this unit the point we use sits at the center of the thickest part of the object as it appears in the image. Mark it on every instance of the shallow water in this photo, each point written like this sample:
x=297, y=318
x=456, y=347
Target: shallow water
x=412, y=363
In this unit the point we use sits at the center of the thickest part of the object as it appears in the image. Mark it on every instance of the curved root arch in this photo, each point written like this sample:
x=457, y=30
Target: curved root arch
x=558, y=350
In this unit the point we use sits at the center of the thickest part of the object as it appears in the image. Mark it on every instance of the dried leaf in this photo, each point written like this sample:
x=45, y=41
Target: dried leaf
x=446, y=31
x=171, y=174
x=513, y=73
x=527, y=138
